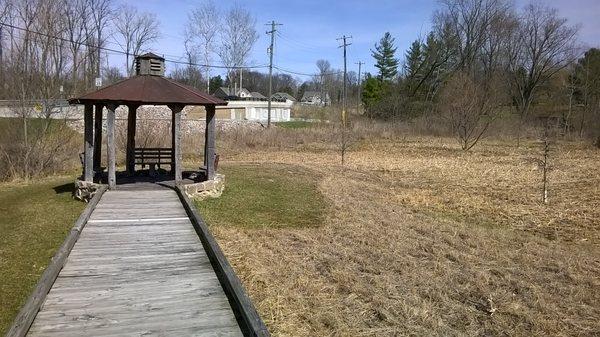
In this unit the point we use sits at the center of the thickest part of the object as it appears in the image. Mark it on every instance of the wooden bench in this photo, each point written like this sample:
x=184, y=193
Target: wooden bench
x=153, y=157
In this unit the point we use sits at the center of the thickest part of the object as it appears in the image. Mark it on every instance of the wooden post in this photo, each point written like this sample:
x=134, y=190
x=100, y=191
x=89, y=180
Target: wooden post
x=209, y=142
x=172, y=140
x=98, y=138
x=110, y=145
x=88, y=149
x=176, y=141
x=131, y=119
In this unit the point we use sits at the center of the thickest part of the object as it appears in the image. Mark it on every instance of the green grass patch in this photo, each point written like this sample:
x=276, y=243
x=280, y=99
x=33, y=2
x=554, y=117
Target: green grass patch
x=266, y=196
x=295, y=124
x=35, y=218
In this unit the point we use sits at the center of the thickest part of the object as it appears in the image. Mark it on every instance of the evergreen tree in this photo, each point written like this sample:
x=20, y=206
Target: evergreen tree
x=413, y=66
x=372, y=93
x=384, y=55
x=215, y=83
x=414, y=60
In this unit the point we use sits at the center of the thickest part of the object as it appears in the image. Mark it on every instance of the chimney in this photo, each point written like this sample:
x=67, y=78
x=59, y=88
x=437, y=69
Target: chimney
x=150, y=64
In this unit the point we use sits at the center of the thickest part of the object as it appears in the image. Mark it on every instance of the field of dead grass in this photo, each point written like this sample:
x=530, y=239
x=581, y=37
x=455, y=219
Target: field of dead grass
x=421, y=238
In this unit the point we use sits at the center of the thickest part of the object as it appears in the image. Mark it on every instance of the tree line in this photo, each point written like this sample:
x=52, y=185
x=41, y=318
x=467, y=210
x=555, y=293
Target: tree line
x=485, y=60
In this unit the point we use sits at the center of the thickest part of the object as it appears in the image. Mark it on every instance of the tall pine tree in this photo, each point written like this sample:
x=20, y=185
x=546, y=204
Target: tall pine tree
x=384, y=55
x=413, y=66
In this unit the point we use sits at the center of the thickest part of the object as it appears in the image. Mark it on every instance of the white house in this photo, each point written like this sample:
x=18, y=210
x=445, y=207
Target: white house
x=257, y=110
x=315, y=98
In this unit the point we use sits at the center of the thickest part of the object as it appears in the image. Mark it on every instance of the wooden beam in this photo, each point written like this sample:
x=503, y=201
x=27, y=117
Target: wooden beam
x=110, y=145
x=131, y=125
x=209, y=142
x=176, y=141
x=98, y=138
x=88, y=148
x=28, y=312
x=248, y=318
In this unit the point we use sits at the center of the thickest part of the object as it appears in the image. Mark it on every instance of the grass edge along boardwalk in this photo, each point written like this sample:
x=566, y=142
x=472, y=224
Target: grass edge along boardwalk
x=139, y=268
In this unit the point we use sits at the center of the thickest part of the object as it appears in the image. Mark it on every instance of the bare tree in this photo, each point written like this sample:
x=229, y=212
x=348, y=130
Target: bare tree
x=324, y=78
x=470, y=107
x=468, y=22
x=542, y=45
x=203, y=23
x=101, y=13
x=238, y=36
x=75, y=14
x=136, y=31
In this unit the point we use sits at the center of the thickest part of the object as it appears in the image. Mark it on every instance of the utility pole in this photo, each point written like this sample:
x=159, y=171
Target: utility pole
x=360, y=63
x=272, y=32
x=345, y=44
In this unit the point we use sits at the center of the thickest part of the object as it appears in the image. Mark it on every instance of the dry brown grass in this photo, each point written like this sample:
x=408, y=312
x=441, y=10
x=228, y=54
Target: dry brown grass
x=424, y=239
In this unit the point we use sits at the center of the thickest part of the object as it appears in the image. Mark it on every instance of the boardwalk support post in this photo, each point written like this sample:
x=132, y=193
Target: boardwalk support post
x=98, y=138
x=88, y=149
x=209, y=142
x=176, y=141
x=110, y=146
x=130, y=154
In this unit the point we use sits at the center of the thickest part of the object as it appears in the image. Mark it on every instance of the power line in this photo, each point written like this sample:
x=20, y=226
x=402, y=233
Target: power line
x=306, y=74
x=300, y=45
x=120, y=52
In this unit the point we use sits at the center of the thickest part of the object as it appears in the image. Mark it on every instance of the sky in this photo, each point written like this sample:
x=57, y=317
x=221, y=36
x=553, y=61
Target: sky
x=311, y=27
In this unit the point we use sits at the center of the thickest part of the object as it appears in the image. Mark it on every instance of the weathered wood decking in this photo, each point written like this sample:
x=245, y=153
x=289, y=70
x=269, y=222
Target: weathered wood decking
x=138, y=268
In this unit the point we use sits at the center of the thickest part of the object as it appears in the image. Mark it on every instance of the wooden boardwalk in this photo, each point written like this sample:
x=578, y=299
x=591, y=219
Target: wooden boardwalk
x=137, y=269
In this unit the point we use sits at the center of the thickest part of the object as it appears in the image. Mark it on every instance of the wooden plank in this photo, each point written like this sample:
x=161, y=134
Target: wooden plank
x=27, y=314
x=98, y=327
x=97, y=137
x=110, y=146
x=88, y=148
x=209, y=142
x=246, y=314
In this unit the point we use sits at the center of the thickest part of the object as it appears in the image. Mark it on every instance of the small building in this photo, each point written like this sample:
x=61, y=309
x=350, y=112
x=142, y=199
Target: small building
x=256, y=110
x=252, y=106
x=316, y=98
x=283, y=96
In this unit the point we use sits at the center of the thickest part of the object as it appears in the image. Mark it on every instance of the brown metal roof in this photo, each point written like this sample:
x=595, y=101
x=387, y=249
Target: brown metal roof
x=151, y=90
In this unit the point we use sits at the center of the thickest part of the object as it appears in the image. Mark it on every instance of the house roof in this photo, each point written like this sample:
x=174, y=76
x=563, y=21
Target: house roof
x=146, y=89
x=284, y=95
x=309, y=94
x=257, y=94
x=150, y=56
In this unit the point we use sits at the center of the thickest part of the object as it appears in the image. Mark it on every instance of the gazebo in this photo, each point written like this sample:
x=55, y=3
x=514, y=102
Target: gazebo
x=147, y=87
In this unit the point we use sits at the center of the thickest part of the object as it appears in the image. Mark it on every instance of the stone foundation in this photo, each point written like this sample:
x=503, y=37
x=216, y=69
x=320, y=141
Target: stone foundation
x=85, y=190
x=206, y=189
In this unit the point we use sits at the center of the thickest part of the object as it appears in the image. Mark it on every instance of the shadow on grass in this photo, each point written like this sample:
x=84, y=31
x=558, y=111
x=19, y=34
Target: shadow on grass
x=64, y=188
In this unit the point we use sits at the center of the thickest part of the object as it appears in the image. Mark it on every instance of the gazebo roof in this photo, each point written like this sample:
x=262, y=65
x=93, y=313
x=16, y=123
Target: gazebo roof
x=148, y=89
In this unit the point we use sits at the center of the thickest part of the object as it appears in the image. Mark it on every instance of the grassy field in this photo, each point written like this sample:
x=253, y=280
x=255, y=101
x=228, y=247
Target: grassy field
x=422, y=238
x=35, y=217
x=412, y=237
x=266, y=197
